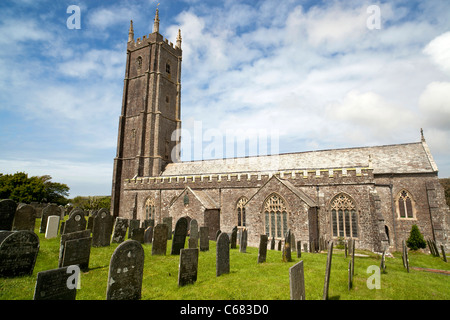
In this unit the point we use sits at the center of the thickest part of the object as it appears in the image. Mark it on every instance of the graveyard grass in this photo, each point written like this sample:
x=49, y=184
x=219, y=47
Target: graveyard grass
x=247, y=279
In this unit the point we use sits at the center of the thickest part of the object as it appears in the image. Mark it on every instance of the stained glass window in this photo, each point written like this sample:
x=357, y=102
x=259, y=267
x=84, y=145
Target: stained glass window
x=344, y=219
x=276, y=216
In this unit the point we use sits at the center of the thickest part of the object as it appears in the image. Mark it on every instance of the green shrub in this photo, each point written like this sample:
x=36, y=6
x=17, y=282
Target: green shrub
x=416, y=240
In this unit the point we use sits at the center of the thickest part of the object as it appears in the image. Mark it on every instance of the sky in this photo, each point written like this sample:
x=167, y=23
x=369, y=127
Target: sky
x=314, y=74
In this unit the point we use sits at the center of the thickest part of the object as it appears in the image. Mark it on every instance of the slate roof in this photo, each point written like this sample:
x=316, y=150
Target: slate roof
x=398, y=158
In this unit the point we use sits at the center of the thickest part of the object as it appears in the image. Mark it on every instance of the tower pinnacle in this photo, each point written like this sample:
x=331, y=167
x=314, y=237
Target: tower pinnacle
x=179, y=39
x=156, y=23
x=131, y=32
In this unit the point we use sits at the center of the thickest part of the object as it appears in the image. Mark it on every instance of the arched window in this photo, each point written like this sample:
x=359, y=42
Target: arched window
x=343, y=216
x=405, y=207
x=275, y=216
x=240, y=208
x=150, y=208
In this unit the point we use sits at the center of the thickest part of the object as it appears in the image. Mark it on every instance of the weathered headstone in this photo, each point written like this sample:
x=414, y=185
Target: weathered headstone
x=352, y=252
x=293, y=243
x=126, y=272
x=148, y=235
x=75, y=223
x=18, y=253
x=272, y=244
x=405, y=256
x=159, y=244
x=383, y=261
x=222, y=254
x=233, y=238
x=188, y=268
x=262, y=252
x=51, y=230
x=297, y=281
x=179, y=236
x=328, y=271
x=350, y=276
x=299, y=249
x=120, y=230
x=85, y=234
x=193, y=243
x=102, y=228
x=77, y=252
x=444, y=257
x=7, y=212
x=138, y=235
x=168, y=221
x=204, y=238
x=133, y=224
x=287, y=257
x=243, y=241
x=50, y=210
x=52, y=285
x=279, y=245
x=218, y=232
x=25, y=218
x=194, y=229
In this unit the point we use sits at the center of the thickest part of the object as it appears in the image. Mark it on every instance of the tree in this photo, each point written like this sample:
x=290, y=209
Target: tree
x=416, y=240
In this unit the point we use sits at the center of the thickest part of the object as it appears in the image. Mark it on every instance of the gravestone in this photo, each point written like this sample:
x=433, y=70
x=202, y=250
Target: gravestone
x=350, y=277
x=272, y=244
x=125, y=272
x=18, y=252
x=218, y=232
x=51, y=230
x=7, y=212
x=133, y=225
x=102, y=228
x=299, y=249
x=75, y=223
x=68, y=237
x=148, y=235
x=188, y=267
x=179, y=236
x=287, y=247
x=77, y=252
x=352, y=252
x=444, y=257
x=120, y=230
x=50, y=210
x=279, y=245
x=233, y=238
x=243, y=241
x=262, y=252
x=297, y=281
x=168, y=221
x=204, y=238
x=52, y=285
x=24, y=218
x=222, y=254
x=328, y=271
x=159, y=246
x=193, y=243
x=383, y=261
x=138, y=235
x=194, y=229
x=293, y=243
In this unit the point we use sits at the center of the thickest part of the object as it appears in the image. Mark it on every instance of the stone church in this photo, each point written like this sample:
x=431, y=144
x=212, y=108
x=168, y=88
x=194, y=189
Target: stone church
x=371, y=194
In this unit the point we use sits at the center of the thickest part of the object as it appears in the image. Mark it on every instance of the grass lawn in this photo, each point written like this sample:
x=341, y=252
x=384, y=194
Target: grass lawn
x=247, y=279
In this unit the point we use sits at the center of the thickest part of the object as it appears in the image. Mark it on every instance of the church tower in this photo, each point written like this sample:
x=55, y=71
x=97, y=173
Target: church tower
x=148, y=138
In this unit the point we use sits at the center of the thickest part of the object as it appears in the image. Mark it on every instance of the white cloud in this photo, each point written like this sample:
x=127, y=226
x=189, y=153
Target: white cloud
x=434, y=103
x=439, y=51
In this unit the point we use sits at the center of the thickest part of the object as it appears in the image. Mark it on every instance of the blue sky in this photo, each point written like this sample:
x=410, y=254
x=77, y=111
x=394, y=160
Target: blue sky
x=313, y=71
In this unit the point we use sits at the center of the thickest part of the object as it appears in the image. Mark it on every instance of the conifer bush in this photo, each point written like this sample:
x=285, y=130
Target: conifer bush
x=416, y=240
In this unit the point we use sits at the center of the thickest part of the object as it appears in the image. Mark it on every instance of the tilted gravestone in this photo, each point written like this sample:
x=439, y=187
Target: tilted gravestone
x=328, y=271
x=125, y=272
x=25, y=218
x=297, y=281
x=243, y=241
x=168, y=221
x=188, y=267
x=85, y=234
x=76, y=222
x=120, y=230
x=159, y=245
x=50, y=210
x=287, y=247
x=233, y=238
x=53, y=285
x=51, y=230
x=179, y=236
x=148, y=235
x=204, y=238
x=222, y=254
x=102, y=228
x=18, y=253
x=133, y=224
x=7, y=212
x=262, y=251
x=193, y=229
